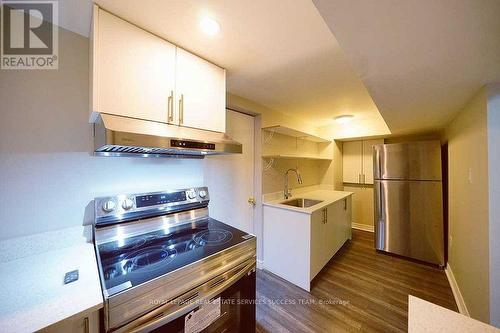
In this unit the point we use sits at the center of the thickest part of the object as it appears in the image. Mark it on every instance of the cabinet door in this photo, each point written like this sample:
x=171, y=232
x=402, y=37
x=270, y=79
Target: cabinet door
x=362, y=205
x=335, y=228
x=352, y=161
x=200, y=93
x=317, y=242
x=133, y=70
x=368, y=160
x=88, y=323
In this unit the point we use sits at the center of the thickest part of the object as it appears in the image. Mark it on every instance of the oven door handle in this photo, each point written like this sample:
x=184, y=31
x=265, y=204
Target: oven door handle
x=162, y=315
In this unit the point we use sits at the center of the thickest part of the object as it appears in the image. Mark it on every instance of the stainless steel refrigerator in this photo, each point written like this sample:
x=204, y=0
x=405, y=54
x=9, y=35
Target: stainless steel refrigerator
x=409, y=200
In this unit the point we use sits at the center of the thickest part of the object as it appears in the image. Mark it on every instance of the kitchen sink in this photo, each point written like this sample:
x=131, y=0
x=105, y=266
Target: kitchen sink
x=301, y=202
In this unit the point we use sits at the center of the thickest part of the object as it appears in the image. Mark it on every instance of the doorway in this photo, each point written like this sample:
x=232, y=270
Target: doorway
x=230, y=179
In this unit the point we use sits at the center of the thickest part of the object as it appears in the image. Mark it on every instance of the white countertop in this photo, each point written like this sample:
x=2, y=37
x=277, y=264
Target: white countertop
x=424, y=316
x=32, y=292
x=326, y=196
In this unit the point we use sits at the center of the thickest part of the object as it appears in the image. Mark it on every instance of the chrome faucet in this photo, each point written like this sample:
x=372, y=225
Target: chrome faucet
x=287, y=193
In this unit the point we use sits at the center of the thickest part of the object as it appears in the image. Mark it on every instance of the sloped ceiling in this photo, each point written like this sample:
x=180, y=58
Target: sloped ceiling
x=420, y=60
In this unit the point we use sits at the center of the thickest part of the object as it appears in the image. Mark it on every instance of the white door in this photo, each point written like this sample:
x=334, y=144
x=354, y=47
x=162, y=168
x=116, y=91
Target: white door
x=230, y=178
x=200, y=93
x=352, y=161
x=368, y=159
x=135, y=70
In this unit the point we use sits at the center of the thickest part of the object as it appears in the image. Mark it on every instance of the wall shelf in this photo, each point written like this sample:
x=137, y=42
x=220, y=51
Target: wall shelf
x=294, y=133
x=301, y=156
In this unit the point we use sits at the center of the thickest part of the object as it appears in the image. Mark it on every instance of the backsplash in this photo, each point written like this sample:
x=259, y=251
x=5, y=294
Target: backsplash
x=42, y=192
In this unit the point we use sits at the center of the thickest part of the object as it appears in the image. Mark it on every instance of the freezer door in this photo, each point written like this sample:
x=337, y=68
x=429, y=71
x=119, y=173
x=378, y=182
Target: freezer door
x=408, y=161
x=409, y=219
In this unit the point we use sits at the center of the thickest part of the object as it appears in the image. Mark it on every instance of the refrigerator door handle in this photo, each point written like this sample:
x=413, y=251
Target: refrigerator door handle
x=380, y=217
x=379, y=203
x=379, y=165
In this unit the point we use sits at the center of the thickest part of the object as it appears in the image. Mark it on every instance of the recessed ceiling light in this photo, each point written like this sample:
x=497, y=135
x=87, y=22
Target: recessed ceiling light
x=209, y=26
x=344, y=119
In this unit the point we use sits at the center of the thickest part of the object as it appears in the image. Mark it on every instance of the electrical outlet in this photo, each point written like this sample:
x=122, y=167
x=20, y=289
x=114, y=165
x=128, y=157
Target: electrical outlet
x=71, y=276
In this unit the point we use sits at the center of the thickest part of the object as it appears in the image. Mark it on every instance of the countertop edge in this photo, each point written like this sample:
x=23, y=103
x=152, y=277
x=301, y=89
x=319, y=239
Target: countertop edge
x=310, y=210
x=424, y=316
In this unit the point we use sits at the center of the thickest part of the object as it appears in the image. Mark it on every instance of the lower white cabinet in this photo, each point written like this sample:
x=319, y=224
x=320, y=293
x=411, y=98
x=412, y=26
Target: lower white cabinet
x=362, y=206
x=82, y=323
x=298, y=245
x=330, y=228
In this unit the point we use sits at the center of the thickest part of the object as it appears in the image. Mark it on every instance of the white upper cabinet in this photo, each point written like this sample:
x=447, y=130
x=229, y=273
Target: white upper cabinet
x=134, y=71
x=352, y=161
x=137, y=74
x=357, y=160
x=200, y=93
x=368, y=159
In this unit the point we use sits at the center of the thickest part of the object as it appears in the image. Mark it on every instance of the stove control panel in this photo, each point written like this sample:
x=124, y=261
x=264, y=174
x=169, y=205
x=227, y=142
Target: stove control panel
x=118, y=207
x=160, y=198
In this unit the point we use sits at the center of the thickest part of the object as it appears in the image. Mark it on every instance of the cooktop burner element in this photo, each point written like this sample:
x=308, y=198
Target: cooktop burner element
x=137, y=259
x=213, y=237
x=149, y=258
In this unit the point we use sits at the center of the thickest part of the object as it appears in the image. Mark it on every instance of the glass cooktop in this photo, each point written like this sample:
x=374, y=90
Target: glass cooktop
x=137, y=259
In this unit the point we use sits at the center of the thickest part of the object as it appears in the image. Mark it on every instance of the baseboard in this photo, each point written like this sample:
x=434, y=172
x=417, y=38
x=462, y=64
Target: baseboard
x=363, y=227
x=462, y=308
x=260, y=264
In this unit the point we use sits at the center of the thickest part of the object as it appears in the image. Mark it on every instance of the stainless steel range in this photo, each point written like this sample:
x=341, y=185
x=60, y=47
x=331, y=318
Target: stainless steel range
x=165, y=265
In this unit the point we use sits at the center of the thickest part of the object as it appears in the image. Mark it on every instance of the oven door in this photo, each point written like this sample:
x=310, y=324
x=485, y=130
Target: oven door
x=225, y=303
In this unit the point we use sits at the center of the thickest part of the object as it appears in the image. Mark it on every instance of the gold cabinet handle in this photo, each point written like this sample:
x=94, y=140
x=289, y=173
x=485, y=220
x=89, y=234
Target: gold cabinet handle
x=170, y=106
x=181, y=109
x=86, y=325
x=251, y=201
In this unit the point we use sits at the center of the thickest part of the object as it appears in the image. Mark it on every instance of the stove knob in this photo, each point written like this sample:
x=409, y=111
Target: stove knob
x=127, y=204
x=191, y=194
x=108, y=206
x=202, y=194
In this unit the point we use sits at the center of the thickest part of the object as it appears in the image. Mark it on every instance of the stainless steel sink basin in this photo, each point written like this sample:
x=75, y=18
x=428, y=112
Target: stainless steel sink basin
x=301, y=202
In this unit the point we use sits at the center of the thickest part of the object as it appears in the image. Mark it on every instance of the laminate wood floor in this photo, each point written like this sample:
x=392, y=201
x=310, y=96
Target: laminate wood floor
x=360, y=290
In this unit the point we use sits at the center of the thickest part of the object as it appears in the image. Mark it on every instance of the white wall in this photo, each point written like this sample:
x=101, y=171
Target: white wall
x=468, y=251
x=47, y=175
x=313, y=172
x=494, y=197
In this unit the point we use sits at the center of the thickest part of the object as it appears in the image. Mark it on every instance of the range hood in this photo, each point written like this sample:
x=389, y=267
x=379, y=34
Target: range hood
x=123, y=136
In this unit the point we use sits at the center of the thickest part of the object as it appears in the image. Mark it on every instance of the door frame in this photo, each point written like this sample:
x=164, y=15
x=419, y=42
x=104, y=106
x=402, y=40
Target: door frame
x=257, y=181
